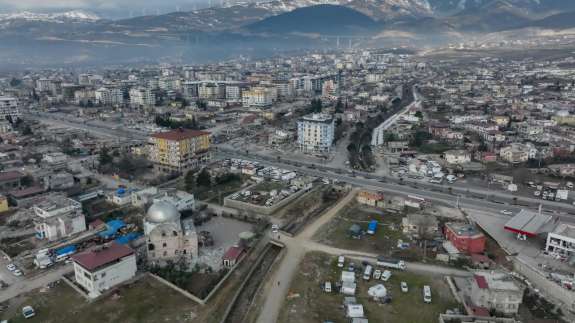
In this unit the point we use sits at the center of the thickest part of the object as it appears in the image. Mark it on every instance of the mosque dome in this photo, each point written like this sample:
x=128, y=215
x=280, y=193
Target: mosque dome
x=162, y=212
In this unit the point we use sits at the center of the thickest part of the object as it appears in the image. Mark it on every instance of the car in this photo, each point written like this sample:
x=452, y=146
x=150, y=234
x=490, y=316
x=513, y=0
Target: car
x=537, y=193
x=386, y=275
x=506, y=212
x=340, y=261
x=17, y=272
x=275, y=228
x=404, y=287
x=351, y=267
x=11, y=267
x=377, y=274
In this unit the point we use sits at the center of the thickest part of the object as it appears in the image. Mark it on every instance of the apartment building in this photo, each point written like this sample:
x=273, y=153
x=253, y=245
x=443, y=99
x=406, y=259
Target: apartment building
x=316, y=133
x=179, y=150
x=9, y=106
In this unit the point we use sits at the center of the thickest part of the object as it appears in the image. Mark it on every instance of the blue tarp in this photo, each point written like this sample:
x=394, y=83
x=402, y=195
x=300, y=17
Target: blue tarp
x=372, y=227
x=65, y=250
x=112, y=228
x=125, y=239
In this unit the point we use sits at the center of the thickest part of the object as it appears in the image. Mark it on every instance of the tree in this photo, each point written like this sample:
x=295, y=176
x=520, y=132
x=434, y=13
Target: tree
x=316, y=106
x=339, y=106
x=204, y=178
x=419, y=115
x=189, y=180
x=105, y=158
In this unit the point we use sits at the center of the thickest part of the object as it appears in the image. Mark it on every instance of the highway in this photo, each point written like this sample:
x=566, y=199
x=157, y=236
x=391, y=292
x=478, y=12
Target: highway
x=475, y=198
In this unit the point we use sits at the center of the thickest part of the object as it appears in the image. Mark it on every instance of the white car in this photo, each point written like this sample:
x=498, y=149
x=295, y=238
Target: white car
x=340, y=261
x=386, y=275
x=404, y=287
x=275, y=228
x=377, y=274
x=537, y=193
x=506, y=212
x=11, y=267
x=17, y=272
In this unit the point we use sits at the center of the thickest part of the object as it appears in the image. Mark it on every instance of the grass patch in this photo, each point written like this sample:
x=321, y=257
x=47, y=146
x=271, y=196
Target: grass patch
x=308, y=303
x=143, y=301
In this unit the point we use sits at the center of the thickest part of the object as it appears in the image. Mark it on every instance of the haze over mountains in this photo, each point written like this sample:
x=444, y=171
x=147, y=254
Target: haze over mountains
x=260, y=28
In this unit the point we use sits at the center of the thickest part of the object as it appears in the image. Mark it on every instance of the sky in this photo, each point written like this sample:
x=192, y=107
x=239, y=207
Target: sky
x=103, y=7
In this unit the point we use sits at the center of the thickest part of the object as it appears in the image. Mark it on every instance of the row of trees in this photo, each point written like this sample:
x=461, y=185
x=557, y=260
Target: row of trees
x=165, y=121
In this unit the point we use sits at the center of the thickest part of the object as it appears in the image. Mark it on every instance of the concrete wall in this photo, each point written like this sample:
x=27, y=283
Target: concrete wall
x=228, y=202
x=549, y=289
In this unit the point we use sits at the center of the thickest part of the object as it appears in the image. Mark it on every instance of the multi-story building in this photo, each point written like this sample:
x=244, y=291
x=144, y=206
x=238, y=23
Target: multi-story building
x=179, y=150
x=142, y=97
x=561, y=241
x=104, y=267
x=518, y=153
x=259, y=96
x=465, y=237
x=9, y=106
x=57, y=217
x=495, y=291
x=316, y=133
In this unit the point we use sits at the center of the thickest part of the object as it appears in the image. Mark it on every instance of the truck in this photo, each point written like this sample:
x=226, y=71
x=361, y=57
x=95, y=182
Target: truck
x=64, y=253
x=390, y=263
x=28, y=312
x=372, y=227
x=367, y=272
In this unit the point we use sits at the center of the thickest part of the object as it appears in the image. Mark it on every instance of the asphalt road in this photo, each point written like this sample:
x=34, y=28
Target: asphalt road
x=473, y=197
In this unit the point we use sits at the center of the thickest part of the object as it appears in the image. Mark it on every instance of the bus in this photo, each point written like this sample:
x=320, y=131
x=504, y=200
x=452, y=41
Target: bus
x=426, y=294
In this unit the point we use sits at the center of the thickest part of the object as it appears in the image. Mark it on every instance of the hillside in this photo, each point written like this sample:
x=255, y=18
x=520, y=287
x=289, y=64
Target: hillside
x=322, y=19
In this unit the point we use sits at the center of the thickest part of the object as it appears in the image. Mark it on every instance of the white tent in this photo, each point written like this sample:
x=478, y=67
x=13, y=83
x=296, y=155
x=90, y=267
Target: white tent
x=347, y=277
x=377, y=291
x=354, y=310
x=348, y=288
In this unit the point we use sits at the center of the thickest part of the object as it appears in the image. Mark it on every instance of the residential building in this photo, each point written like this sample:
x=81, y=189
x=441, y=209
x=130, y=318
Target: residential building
x=561, y=241
x=374, y=199
x=9, y=106
x=316, y=133
x=465, y=237
x=419, y=224
x=495, y=291
x=179, y=150
x=103, y=267
x=518, y=153
x=4, y=204
x=457, y=156
x=142, y=97
x=57, y=217
x=259, y=96
x=10, y=181
x=182, y=200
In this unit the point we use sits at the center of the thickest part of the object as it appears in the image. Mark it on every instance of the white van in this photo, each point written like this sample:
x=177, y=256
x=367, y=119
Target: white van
x=367, y=272
x=340, y=261
x=426, y=294
x=28, y=312
x=386, y=275
x=327, y=287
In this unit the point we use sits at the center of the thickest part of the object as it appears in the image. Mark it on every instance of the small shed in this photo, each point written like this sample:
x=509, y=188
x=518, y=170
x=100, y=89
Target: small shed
x=354, y=311
x=355, y=231
x=232, y=256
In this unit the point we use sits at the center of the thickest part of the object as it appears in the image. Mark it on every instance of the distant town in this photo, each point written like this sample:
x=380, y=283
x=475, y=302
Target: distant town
x=358, y=185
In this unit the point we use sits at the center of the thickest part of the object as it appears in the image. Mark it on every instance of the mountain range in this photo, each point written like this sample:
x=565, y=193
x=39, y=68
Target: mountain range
x=80, y=36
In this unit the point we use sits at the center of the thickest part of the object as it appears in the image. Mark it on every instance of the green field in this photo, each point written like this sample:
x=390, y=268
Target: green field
x=308, y=303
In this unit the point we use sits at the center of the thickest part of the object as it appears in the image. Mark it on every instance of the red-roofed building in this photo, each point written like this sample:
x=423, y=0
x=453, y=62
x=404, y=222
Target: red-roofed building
x=232, y=256
x=179, y=150
x=104, y=267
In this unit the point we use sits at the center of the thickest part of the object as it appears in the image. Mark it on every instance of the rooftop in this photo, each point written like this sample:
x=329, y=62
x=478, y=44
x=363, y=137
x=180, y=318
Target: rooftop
x=495, y=280
x=528, y=222
x=180, y=134
x=318, y=117
x=566, y=230
x=10, y=176
x=463, y=229
x=96, y=258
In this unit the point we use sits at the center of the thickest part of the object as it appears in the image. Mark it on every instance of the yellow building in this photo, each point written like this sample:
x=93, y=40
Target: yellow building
x=3, y=204
x=179, y=150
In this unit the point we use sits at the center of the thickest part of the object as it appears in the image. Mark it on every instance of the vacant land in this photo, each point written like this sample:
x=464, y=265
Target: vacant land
x=308, y=303
x=384, y=241
x=143, y=301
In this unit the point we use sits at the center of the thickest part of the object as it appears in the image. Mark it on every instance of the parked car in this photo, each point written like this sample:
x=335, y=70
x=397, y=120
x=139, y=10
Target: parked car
x=340, y=261
x=28, y=312
x=386, y=275
x=537, y=193
x=506, y=212
x=377, y=274
x=404, y=287
x=17, y=272
x=327, y=287
x=275, y=228
x=11, y=267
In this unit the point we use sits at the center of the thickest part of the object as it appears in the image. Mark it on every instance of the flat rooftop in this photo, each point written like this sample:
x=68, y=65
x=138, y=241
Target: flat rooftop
x=463, y=229
x=528, y=222
x=566, y=230
x=496, y=280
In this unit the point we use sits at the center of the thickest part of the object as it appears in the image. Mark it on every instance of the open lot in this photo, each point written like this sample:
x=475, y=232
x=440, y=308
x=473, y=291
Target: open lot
x=384, y=241
x=143, y=301
x=306, y=301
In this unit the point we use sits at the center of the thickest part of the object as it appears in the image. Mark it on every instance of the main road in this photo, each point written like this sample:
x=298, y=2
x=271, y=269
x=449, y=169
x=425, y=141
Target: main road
x=473, y=197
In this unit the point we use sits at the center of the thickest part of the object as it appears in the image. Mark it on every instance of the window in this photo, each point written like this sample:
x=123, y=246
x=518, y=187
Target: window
x=151, y=246
x=164, y=244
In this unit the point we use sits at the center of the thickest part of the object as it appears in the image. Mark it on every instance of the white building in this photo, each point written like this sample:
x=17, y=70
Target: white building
x=142, y=97
x=378, y=135
x=57, y=217
x=109, y=96
x=562, y=240
x=104, y=267
x=457, y=157
x=9, y=106
x=259, y=96
x=182, y=200
x=495, y=291
x=316, y=133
